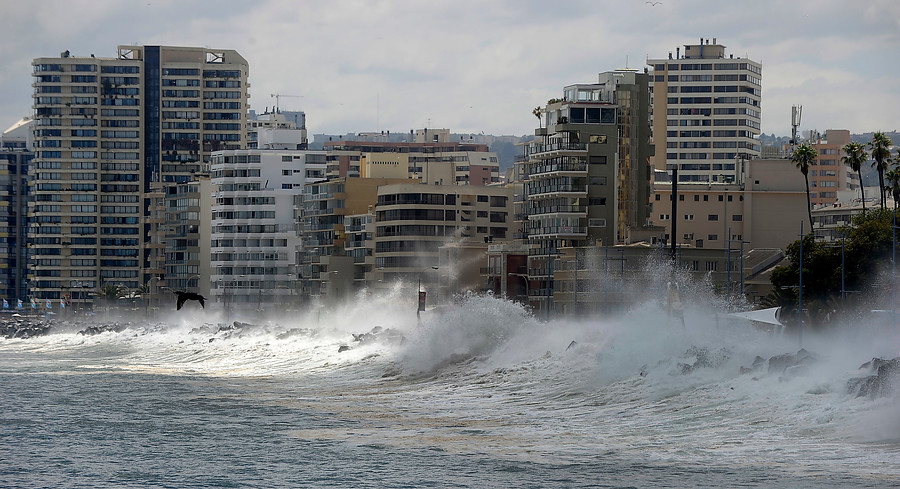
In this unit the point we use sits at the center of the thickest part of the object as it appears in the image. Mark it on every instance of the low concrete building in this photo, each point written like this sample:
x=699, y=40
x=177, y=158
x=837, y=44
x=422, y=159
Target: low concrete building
x=764, y=208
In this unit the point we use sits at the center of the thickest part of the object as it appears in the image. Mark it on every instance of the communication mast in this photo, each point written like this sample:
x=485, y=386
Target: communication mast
x=277, y=97
x=796, y=113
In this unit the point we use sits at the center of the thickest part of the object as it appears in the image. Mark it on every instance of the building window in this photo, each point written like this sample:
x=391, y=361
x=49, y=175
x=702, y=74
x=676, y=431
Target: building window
x=713, y=217
x=712, y=237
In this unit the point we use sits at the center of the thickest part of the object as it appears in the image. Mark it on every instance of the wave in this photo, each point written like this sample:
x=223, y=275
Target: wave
x=636, y=360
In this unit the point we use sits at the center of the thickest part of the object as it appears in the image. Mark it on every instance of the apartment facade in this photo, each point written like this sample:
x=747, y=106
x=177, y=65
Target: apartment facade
x=420, y=230
x=326, y=204
x=706, y=112
x=253, y=236
x=435, y=162
x=187, y=236
x=765, y=211
x=586, y=175
x=14, y=196
x=828, y=175
x=110, y=133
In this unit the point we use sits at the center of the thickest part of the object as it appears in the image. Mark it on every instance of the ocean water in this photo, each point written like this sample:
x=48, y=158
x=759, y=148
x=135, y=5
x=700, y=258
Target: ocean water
x=479, y=395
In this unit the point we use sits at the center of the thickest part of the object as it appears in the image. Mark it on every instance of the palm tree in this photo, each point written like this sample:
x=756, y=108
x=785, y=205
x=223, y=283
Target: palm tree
x=893, y=178
x=881, y=153
x=112, y=292
x=537, y=113
x=804, y=156
x=855, y=157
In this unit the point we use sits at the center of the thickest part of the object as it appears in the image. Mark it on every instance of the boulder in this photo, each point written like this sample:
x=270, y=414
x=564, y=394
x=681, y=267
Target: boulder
x=703, y=358
x=882, y=381
x=780, y=363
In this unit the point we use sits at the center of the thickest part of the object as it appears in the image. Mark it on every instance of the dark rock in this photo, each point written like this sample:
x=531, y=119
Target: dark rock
x=343, y=348
x=883, y=381
x=758, y=362
x=379, y=334
x=703, y=358
x=779, y=363
x=103, y=328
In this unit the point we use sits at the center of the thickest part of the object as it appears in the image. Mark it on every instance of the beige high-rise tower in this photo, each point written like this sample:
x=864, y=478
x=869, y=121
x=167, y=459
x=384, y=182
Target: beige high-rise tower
x=108, y=130
x=706, y=112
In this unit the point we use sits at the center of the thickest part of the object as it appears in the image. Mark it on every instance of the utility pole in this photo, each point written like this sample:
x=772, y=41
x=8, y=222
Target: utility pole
x=674, y=217
x=800, y=289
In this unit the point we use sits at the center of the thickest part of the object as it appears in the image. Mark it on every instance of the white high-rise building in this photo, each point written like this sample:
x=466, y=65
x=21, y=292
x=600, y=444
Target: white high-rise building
x=254, y=235
x=706, y=112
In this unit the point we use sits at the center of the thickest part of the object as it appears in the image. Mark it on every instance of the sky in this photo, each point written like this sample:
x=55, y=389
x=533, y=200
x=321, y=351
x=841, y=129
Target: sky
x=475, y=66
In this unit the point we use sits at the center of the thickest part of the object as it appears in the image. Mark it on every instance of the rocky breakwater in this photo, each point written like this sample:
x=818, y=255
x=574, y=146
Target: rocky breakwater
x=23, y=327
x=785, y=366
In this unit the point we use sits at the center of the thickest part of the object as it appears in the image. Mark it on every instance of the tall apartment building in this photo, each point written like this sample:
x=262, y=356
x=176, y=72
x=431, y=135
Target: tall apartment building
x=254, y=237
x=109, y=132
x=15, y=157
x=706, y=112
x=186, y=236
x=587, y=173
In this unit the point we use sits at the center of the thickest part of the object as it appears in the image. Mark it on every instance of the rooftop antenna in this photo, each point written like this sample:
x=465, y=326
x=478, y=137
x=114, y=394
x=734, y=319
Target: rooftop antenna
x=796, y=113
x=278, y=96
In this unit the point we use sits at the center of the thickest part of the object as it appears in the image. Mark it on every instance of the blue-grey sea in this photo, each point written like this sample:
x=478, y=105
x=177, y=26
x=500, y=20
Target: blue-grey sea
x=480, y=395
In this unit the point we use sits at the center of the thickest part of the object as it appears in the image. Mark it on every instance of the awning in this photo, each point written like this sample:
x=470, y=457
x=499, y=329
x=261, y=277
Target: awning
x=768, y=316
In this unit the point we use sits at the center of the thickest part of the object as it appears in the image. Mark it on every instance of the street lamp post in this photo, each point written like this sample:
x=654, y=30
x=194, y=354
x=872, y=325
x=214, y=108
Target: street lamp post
x=149, y=302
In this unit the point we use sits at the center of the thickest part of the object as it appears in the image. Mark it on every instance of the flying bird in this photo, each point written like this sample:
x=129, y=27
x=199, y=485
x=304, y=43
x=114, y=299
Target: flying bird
x=653, y=4
x=188, y=296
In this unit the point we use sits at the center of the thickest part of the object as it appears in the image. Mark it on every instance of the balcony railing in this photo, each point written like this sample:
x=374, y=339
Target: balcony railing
x=562, y=167
x=549, y=189
x=550, y=209
x=561, y=230
x=562, y=146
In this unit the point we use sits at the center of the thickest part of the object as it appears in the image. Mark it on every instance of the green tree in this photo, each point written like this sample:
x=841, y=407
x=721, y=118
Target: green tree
x=537, y=113
x=855, y=157
x=867, y=251
x=804, y=156
x=893, y=178
x=112, y=292
x=880, y=147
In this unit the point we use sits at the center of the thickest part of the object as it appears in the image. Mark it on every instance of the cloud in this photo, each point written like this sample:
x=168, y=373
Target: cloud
x=475, y=66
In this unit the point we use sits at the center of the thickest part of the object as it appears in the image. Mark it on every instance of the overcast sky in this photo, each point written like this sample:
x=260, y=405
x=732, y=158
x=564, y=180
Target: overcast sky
x=479, y=65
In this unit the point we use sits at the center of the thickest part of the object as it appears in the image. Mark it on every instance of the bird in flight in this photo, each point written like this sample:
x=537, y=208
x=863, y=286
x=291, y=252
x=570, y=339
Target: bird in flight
x=188, y=296
x=653, y=4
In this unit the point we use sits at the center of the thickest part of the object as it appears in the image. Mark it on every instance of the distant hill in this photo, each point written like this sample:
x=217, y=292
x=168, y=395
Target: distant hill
x=507, y=151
